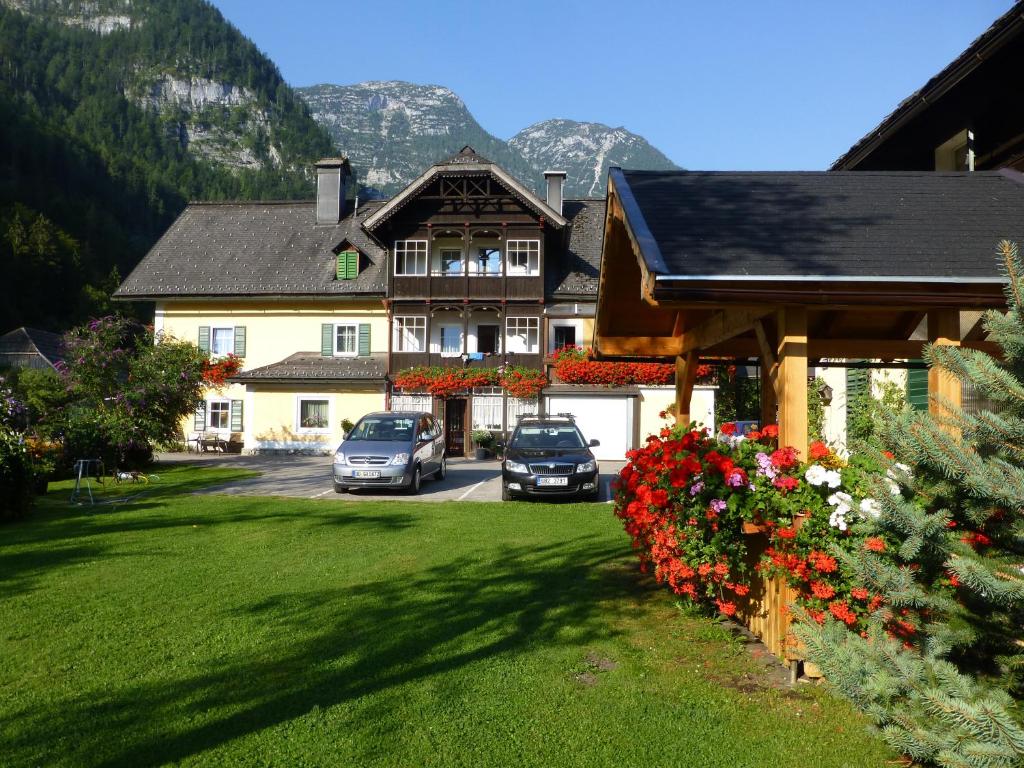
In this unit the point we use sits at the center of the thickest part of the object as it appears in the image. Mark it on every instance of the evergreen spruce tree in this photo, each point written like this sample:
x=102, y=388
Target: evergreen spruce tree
x=940, y=668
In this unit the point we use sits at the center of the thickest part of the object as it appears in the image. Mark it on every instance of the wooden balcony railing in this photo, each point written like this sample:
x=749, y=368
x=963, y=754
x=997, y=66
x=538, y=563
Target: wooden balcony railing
x=403, y=360
x=471, y=287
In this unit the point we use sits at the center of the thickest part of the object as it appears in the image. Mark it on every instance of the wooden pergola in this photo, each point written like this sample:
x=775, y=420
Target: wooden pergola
x=792, y=269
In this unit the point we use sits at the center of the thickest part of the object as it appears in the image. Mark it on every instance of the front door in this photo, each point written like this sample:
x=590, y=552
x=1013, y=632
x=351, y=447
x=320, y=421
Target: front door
x=455, y=427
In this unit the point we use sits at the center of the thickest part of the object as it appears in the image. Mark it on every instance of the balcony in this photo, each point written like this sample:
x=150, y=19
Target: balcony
x=400, y=361
x=469, y=287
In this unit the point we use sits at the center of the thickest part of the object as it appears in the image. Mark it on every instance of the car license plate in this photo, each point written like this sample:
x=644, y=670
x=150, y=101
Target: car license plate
x=552, y=481
x=367, y=473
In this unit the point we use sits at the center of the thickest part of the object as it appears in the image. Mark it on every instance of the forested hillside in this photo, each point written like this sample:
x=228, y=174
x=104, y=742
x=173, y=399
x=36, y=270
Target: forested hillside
x=112, y=115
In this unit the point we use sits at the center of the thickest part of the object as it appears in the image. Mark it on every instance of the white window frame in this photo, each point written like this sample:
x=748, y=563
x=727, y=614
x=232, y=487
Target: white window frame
x=412, y=401
x=398, y=326
x=487, y=406
x=220, y=401
x=301, y=430
x=462, y=262
x=499, y=262
x=416, y=249
x=231, y=340
x=355, y=350
x=530, y=324
x=458, y=330
x=574, y=323
x=532, y=250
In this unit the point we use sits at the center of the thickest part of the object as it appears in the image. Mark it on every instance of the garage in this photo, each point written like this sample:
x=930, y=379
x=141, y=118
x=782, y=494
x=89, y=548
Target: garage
x=606, y=415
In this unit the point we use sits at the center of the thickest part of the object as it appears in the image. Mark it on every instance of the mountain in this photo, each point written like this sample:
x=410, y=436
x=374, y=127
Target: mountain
x=114, y=113
x=586, y=151
x=393, y=130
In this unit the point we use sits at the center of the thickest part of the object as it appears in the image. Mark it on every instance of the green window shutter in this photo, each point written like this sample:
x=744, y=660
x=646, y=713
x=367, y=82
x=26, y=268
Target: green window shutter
x=917, y=388
x=856, y=389
x=240, y=340
x=327, y=340
x=199, y=420
x=364, y=339
x=348, y=265
x=204, y=338
x=236, y=415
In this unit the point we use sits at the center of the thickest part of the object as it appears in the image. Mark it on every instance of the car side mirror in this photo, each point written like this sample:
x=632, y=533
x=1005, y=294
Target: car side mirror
x=594, y=443
x=426, y=436
x=499, y=444
x=344, y=435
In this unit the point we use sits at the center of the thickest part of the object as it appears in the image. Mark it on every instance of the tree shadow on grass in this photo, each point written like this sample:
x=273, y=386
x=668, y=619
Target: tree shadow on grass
x=343, y=646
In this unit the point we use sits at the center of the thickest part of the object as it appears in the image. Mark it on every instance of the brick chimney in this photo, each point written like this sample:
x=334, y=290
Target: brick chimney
x=332, y=174
x=556, y=184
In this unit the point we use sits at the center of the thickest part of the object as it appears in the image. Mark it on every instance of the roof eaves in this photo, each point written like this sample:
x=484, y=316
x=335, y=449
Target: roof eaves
x=649, y=249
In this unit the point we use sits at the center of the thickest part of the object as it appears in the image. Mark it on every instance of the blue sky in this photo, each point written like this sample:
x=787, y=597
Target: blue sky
x=726, y=85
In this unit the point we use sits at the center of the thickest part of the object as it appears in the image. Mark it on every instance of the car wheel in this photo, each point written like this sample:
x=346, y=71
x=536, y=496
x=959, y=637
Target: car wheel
x=414, y=486
x=443, y=469
x=339, y=488
x=506, y=494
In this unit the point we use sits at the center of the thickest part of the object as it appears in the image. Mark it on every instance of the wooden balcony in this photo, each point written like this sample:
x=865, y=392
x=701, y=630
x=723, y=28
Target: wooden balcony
x=400, y=361
x=469, y=287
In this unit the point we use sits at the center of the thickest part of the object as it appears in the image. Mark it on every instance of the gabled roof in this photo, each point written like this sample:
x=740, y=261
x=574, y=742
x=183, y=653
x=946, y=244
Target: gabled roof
x=575, y=272
x=256, y=249
x=812, y=227
x=314, y=368
x=465, y=162
x=22, y=343
x=1006, y=28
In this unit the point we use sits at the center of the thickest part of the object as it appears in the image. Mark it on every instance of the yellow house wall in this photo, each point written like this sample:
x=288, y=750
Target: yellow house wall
x=654, y=400
x=275, y=330
x=275, y=415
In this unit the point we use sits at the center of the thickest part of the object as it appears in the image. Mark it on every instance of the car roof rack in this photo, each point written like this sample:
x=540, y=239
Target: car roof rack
x=549, y=417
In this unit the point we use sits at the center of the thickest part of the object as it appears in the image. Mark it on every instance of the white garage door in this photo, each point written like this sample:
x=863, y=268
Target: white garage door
x=608, y=419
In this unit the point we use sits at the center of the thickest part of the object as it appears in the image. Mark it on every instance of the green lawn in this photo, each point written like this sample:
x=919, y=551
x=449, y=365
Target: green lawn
x=218, y=630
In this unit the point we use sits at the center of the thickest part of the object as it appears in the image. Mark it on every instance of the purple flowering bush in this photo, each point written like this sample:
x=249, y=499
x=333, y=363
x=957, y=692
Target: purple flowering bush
x=127, y=389
x=16, y=477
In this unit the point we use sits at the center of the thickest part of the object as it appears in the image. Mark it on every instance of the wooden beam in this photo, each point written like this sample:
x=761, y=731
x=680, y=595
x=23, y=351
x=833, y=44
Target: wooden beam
x=791, y=381
x=869, y=349
x=638, y=346
x=720, y=327
x=767, y=354
x=686, y=375
x=943, y=329
x=769, y=402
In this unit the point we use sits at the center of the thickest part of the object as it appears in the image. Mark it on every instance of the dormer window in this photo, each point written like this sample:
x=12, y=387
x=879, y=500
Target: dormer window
x=524, y=257
x=348, y=265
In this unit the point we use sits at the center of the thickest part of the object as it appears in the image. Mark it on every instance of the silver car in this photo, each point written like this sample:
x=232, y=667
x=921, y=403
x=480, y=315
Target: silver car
x=391, y=449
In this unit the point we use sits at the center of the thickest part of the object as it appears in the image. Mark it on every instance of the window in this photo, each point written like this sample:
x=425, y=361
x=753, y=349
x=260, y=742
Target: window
x=408, y=402
x=346, y=340
x=348, y=265
x=410, y=334
x=219, y=414
x=487, y=339
x=523, y=334
x=487, y=408
x=222, y=341
x=524, y=257
x=411, y=257
x=451, y=341
x=489, y=262
x=564, y=336
x=451, y=262
x=314, y=414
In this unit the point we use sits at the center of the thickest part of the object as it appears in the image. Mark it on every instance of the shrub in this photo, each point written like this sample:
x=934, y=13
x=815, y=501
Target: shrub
x=16, y=476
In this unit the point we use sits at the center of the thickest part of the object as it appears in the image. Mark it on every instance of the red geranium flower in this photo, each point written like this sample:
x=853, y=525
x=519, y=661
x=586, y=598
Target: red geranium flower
x=818, y=450
x=822, y=590
x=874, y=544
x=728, y=428
x=860, y=593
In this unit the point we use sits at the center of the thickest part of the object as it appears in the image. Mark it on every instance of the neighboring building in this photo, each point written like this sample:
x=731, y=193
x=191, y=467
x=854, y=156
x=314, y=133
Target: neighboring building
x=968, y=117
x=326, y=302
x=30, y=348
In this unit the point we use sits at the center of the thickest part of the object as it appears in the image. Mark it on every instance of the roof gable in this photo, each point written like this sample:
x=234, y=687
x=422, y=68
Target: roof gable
x=466, y=163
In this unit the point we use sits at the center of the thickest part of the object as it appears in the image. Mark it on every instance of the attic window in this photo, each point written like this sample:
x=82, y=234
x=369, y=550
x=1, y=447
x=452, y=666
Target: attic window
x=348, y=265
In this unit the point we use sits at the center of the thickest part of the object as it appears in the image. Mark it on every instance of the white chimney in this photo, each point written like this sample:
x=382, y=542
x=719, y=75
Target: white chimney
x=556, y=184
x=331, y=177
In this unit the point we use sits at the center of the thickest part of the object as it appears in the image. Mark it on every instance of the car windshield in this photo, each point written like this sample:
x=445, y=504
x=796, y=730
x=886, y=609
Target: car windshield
x=548, y=436
x=389, y=428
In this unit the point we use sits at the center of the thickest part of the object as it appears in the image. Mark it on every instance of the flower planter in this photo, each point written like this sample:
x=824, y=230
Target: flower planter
x=751, y=529
x=480, y=454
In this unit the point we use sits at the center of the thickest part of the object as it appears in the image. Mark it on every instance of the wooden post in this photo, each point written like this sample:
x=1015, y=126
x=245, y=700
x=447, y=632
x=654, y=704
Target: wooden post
x=791, y=379
x=943, y=328
x=769, y=403
x=686, y=374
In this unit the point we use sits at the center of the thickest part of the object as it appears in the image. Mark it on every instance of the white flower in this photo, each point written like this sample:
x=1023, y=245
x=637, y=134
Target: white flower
x=871, y=508
x=838, y=517
x=894, y=487
x=833, y=478
x=815, y=474
x=841, y=499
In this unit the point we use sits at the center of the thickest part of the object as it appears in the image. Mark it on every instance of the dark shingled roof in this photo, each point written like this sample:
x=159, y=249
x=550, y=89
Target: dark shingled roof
x=840, y=224
x=255, y=248
x=576, y=272
x=313, y=367
x=17, y=347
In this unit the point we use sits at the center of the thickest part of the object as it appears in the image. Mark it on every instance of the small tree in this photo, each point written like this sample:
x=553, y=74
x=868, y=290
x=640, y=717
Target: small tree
x=16, y=476
x=939, y=668
x=128, y=389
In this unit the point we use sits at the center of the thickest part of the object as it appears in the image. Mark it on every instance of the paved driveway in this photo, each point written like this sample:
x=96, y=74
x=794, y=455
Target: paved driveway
x=310, y=477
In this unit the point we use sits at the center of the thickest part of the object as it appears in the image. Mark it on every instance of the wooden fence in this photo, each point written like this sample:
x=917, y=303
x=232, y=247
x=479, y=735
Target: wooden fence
x=765, y=610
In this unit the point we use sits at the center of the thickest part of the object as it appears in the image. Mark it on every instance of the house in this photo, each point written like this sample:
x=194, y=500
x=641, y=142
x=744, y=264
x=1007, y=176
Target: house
x=30, y=348
x=328, y=302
